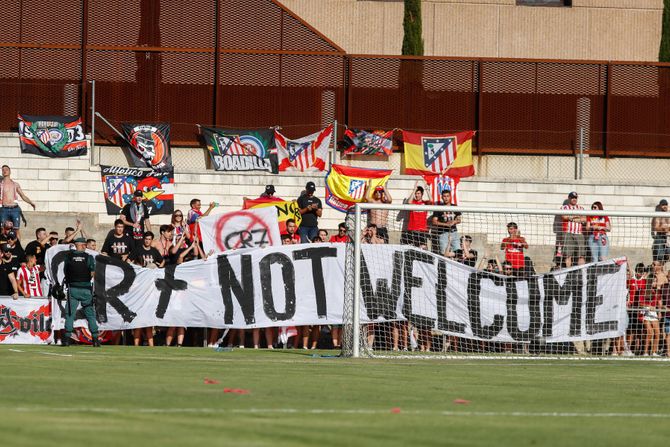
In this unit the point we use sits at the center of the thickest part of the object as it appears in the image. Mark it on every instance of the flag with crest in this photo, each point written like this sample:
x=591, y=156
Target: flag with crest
x=304, y=154
x=439, y=154
x=361, y=142
x=438, y=183
x=347, y=185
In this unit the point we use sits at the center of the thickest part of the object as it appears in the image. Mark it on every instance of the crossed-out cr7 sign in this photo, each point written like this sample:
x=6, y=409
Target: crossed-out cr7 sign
x=252, y=228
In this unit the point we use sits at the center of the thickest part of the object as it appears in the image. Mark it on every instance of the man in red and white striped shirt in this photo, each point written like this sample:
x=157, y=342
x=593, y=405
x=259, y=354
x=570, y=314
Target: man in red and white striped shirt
x=28, y=278
x=574, y=245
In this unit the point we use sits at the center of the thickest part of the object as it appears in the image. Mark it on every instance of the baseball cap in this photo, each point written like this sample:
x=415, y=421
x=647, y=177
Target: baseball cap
x=663, y=202
x=379, y=188
x=4, y=247
x=310, y=186
x=270, y=189
x=80, y=240
x=572, y=194
x=11, y=235
x=138, y=193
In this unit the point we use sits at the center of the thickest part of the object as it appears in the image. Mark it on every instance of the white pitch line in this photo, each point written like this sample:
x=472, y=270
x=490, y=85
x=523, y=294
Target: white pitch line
x=53, y=353
x=15, y=350
x=513, y=414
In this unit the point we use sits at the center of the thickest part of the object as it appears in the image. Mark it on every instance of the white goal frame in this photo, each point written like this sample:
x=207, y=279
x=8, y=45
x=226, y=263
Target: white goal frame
x=362, y=207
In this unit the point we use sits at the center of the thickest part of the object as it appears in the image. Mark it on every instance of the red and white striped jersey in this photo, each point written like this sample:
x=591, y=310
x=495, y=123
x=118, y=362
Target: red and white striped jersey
x=29, y=278
x=572, y=227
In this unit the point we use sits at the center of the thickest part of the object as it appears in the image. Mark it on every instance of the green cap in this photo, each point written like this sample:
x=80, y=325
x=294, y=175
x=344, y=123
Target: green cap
x=80, y=240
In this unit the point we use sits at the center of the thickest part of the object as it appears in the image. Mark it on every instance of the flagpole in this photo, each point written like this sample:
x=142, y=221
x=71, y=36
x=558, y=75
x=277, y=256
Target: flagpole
x=333, y=154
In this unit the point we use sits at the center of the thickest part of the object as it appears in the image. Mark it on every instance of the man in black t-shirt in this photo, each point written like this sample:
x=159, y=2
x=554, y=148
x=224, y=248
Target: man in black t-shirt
x=14, y=246
x=38, y=247
x=8, y=269
x=118, y=244
x=311, y=209
x=443, y=227
x=135, y=217
x=145, y=254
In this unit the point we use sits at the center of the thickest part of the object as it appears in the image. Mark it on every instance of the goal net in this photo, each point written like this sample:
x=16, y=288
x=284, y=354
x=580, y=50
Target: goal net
x=445, y=280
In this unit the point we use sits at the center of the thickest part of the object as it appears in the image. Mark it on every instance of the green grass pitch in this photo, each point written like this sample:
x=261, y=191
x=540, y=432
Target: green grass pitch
x=124, y=396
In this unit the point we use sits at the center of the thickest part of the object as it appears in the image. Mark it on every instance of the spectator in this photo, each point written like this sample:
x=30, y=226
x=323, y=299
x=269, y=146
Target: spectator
x=322, y=236
x=14, y=246
x=444, y=227
x=341, y=235
x=416, y=232
x=10, y=191
x=650, y=302
x=286, y=239
x=146, y=255
x=597, y=228
x=28, y=278
x=8, y=269
x=7, y=226
x=660, y=226
x=38, y=247
x=135, y=216
x=291, y=230
x=370, y=235
x=71, y=233
x=53, y=238
x=311, y=209
x=380, y=217
x=466, y=254
x=118, y=244
x=573, y=237
x=513, y=246
x=180, y=227
x=196, y=213
x=493, y=266
x=637, y=287
x=91, y=244
x=269, y=192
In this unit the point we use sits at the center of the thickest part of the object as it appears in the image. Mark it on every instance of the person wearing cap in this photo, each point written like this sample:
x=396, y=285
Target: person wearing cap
x=311, y=209
x=79, y=270
x=14, y=246
x=574, y=246
x=135, y=216
x=10, y=191
x=379, y=217
x=660, y=227
x=269, y=192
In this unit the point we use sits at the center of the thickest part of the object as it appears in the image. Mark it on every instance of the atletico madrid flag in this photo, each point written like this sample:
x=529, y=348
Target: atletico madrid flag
x=439, y=154
x=346, y=185
x=361, y=142
x=438, y=184
x=304, y=154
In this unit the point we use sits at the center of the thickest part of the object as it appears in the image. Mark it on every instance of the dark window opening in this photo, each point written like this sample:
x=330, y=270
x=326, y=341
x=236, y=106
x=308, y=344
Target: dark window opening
x=544, y=2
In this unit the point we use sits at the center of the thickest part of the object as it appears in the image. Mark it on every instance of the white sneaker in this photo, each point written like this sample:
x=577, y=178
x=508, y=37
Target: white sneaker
x=628, y=353
x=655, y=354
x=211, y=345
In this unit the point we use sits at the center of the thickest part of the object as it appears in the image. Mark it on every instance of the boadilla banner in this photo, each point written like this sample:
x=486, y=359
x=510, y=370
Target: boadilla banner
x=230, y=153
x=25, y=321
x=298, y=285
x=120, y=183
x=52, y=136
x=149, y=145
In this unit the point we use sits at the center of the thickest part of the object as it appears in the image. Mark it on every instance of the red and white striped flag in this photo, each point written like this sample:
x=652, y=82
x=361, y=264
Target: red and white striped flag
x=306, y=153
x=439, y=183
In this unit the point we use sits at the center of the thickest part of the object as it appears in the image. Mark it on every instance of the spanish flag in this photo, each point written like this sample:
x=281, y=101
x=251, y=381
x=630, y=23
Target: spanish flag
x=286, y=209
x=346, y=185
x=449, y=155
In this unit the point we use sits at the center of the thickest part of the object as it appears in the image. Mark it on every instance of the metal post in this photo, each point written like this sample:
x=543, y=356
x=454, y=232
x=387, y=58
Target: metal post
x=334, y=153
x=356, y=320
x=581, y=153
x=93, y=154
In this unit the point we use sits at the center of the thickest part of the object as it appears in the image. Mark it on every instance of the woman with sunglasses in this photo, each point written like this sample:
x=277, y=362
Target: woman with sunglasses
x=597, y=228
x=180, y=227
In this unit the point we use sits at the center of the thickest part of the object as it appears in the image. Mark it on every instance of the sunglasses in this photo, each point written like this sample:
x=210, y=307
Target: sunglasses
x=178, y=215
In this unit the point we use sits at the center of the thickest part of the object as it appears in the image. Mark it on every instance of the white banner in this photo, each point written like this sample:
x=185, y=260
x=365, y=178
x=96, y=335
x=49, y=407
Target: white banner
x=300, y=285
x=582, y=303
x=25, y=321
x=252, y=228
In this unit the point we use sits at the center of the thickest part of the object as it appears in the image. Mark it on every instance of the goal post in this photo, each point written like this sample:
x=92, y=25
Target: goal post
x=504, y=280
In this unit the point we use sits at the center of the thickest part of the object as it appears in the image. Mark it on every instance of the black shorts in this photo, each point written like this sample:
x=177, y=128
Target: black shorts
x=383, y=233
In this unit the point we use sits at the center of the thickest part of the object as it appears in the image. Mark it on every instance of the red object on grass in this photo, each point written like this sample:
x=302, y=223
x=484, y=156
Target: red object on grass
x=395, y=410
x=461, y=401
x=209, y=381
x=236, y=390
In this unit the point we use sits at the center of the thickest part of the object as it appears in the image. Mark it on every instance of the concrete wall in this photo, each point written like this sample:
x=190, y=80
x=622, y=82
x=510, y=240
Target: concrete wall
x=624, y=30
